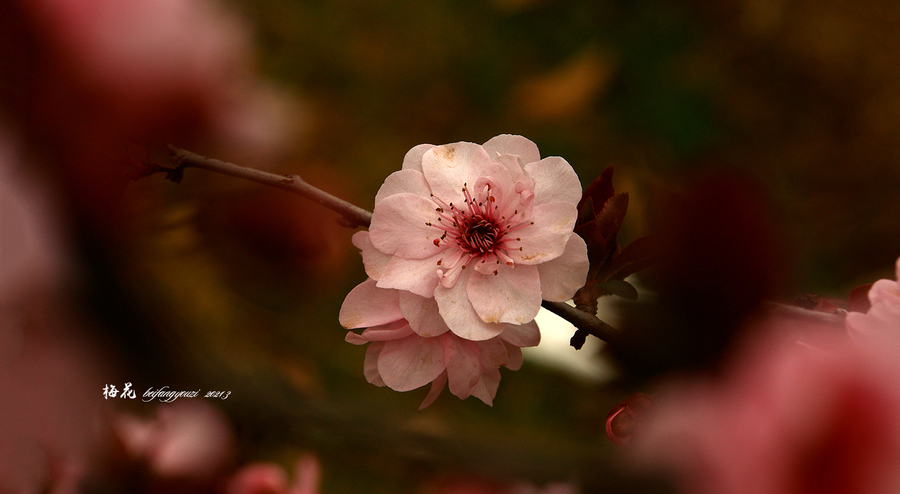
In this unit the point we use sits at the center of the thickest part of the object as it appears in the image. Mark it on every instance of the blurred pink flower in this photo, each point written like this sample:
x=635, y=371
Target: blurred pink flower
x=134, y=74
x=792, y=416
x=484, y=230
x=146, y=55
x=51, y=423
x=186, y=440
x=51, y=420
x=474, y=485
x=412, y=346
x=550, y=488
x=878, y=330
x=268, y=478
x=31, y=244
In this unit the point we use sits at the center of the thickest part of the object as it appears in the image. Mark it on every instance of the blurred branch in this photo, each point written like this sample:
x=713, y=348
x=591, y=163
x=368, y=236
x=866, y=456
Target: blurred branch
x=808, y=315
x=353, y=216
x=587, y=324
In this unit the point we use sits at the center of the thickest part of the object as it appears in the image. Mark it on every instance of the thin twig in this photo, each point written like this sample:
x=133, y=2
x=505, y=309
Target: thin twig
x=583, y=321
x=353, y=216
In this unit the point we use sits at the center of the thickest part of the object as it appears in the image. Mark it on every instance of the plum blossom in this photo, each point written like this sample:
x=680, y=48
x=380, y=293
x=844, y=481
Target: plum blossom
x=188, y=441
x=475, y=485
x=31, y=245
x=879, y=328
x=269, y=478
x=134, y=75
x=483, y=230
x=410, y=345
x=809, y=413
x=51, y=432
x=144, y=54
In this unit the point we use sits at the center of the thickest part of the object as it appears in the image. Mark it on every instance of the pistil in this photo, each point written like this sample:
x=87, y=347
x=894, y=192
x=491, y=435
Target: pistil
x=480, y=230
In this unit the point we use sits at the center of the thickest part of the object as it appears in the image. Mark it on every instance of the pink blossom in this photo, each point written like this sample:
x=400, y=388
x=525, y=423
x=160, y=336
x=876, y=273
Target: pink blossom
x=474, y=485
x=792, y=416
x=135, y=73
x=486, y=231
x=31, y=247
x=411, y=345
x=268, y=478
x=51, y=422
x=879, y=328
x=145, y=54
x=187, y=440
x=550, y=488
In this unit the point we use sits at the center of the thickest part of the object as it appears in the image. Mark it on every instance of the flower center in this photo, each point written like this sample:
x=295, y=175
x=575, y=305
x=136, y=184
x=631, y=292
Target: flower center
x=480, y=231
x=480, y=234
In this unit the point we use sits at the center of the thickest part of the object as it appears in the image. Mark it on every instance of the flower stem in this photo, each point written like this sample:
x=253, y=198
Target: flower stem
x=352, y=215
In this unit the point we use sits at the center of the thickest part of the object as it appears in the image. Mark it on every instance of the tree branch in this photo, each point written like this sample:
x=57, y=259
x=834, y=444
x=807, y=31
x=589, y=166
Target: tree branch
x=585, y=322
x=352, y=215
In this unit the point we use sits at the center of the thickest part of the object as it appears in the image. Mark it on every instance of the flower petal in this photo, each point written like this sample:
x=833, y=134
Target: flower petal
x=861, y=327
x=879, y=328
x=515, y=145
x=412, y=181
x=885, y=292
x=367, y=306
x=563, y=276
x=492, y=354
x=257, y=477
x=370, y=367
x=360, y=240
x=513, y=296
x=393, y=331
x=422, y=314
x=514, y=170
x=400, y=226
x=486, y=387
x=457, y=311
x=463, y=359
x=373, y=259
x=547, y=237
x=436, y=387
x=411, y=362
x=521, y=335
x=419, y=276
x=554, y=181
x=413, y=158
x=514, y=355
x=450, y=167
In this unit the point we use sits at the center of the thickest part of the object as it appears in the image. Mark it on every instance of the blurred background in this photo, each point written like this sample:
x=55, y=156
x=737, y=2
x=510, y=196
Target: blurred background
x=218, y=284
